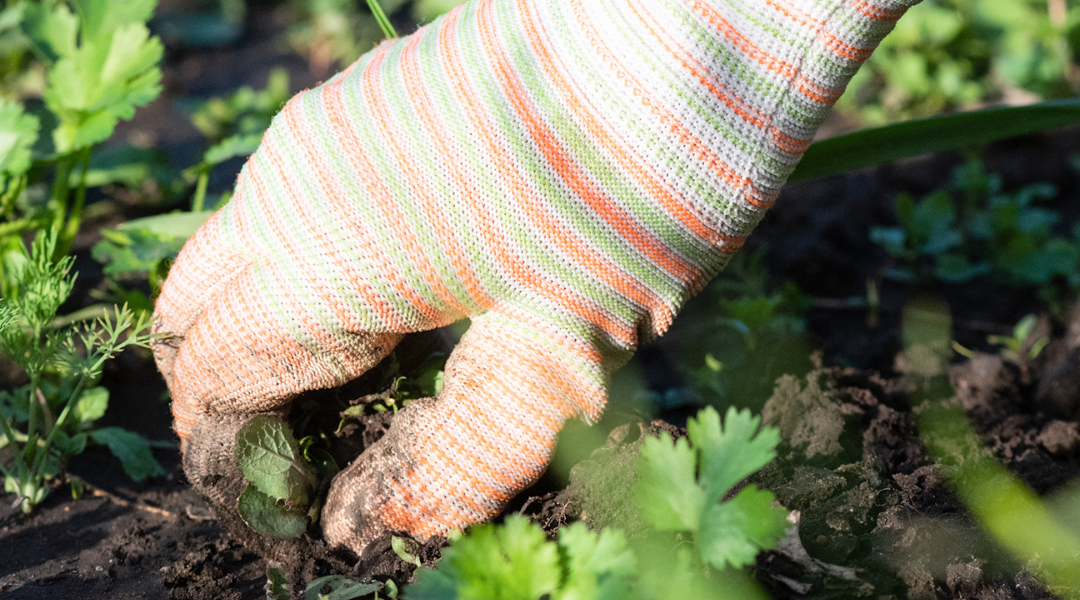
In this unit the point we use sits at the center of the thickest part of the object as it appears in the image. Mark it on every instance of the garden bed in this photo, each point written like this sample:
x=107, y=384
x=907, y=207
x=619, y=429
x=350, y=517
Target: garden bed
x=875, y=517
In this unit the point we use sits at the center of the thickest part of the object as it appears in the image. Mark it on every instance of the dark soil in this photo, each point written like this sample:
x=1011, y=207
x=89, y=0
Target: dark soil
x=875, y=517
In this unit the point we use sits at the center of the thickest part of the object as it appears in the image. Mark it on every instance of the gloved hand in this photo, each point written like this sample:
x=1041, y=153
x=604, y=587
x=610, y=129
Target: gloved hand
x=564, y=172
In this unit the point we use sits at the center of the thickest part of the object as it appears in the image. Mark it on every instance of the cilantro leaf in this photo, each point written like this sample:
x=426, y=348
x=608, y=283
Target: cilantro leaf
x=732, y=453
x=680, y=486
x=53, y=29
x=599, y=565
x=511, y=562
x=733, y=532
x=99, y=17
x=667, y=490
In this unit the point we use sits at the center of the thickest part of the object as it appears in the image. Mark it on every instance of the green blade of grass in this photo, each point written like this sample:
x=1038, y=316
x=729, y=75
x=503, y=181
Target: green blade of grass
x=880, y=145
x=380, y=17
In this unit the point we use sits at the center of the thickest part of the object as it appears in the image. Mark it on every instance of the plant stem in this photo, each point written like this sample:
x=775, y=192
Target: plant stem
x=43, y=451
x=74, y=220
x=19, y=226
x=200, y=191
x=16, y=451
x=31, y=406
x=61, y=189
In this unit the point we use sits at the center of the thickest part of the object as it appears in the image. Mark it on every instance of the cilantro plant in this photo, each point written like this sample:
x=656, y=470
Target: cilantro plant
x=515, y=561
x=973, y=228
x=681, y=485
x=681, y=489
x=51, y=418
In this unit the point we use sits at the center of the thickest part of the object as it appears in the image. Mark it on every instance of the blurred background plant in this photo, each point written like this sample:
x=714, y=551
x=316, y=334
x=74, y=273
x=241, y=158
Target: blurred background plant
x=975, y=229
x=948, y=55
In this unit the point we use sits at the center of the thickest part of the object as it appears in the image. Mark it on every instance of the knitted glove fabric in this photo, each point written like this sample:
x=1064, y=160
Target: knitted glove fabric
x=564, y=172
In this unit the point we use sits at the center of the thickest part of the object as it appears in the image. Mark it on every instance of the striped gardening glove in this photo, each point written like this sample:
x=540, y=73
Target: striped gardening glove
x=566, y=173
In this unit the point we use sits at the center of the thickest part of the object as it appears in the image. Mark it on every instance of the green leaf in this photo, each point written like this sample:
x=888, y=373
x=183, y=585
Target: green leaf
x=599, y=565
x=730, y=453
x=270, y=517
x=18, y=132
x=667, y=490
x=240, y=145
x=134, y=250
x=132, y=449
x=128, y=165
x=101, y=80
x=140, y=245
x=92, y=405
x=277, y=582
x=733, y=532
x=338, y=587
x=881, y=145
x=511, y=562
x=433, y=584
x=53, y=28
x=100, y=17
x=404, y=549
x=269, y=457
x=69, y=445
x=179, y=225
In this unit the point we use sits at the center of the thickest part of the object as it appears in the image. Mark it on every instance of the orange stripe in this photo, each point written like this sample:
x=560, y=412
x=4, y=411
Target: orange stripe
x=752, y=116
x=514, y=266
x=614, y=214
x=831, y=41
x=751, y=51
x=877, y=13
x=376, y=102
x=703, y=152
x=339, y=308
x=601, y=268
x=644, y=241
x=354, y=151
x=423, y=106
x=388, y=203
x=346, y=213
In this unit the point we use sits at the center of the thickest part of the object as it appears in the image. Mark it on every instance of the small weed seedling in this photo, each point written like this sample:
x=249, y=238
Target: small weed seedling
x=1014, y=347
x=277, y=501
x=62, y=363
